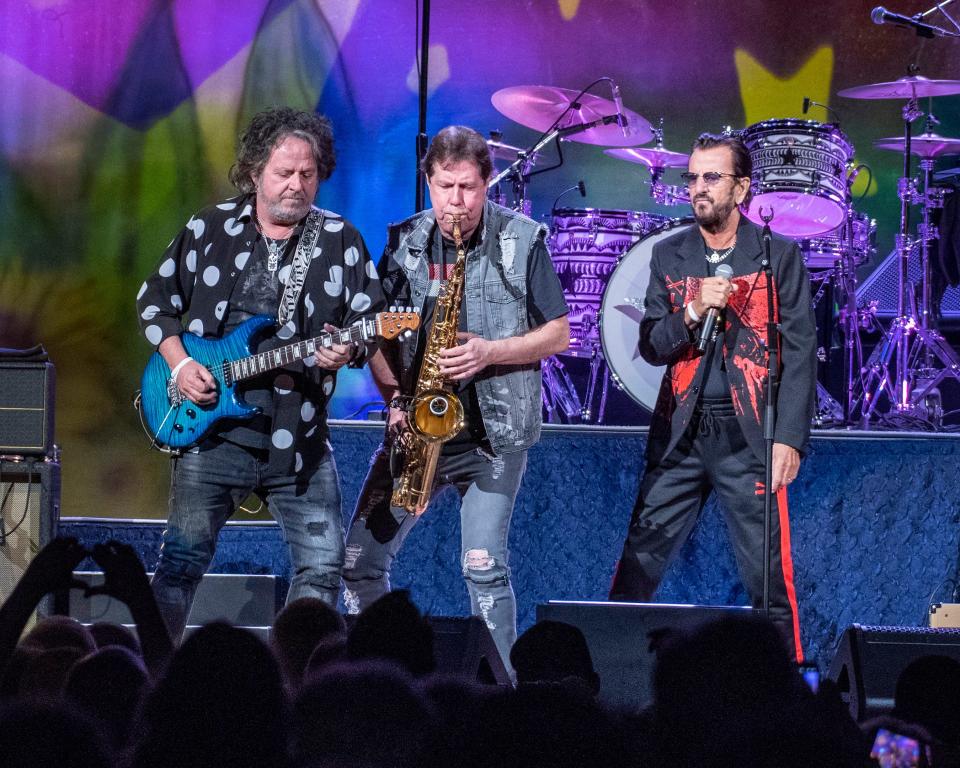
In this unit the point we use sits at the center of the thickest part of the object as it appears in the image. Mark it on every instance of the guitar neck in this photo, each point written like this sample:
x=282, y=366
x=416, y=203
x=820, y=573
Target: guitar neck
x=254, y=365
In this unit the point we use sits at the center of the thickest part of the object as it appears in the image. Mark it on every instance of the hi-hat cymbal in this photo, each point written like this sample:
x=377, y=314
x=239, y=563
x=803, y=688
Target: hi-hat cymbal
x=924, y=145
x=904, y=88
x=539, y=106
x=507, y=153
x=652, y=157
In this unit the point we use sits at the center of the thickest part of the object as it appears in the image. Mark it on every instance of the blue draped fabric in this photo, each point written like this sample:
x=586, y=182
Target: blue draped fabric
x=874, y=529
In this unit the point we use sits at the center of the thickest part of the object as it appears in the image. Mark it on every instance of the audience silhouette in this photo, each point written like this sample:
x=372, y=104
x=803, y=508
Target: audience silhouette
x=319, y=696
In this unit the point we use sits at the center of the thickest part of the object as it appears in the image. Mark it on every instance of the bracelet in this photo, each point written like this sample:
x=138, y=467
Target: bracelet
x=178, y=366
x=692, y=313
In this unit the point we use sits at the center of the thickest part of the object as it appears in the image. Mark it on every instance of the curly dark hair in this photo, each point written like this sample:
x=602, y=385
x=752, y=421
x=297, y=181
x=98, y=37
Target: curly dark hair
x=267, y=129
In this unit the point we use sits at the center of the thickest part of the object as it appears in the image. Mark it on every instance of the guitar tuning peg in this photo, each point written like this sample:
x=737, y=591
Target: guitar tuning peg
x=393, y=308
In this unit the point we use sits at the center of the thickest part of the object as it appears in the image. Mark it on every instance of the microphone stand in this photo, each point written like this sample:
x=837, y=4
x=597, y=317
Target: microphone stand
x=940, y=7
x=516, y=167
x=421, y=143
x=770, y=407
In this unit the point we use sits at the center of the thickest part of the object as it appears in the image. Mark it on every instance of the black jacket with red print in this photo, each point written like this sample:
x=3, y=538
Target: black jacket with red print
x=677, y=268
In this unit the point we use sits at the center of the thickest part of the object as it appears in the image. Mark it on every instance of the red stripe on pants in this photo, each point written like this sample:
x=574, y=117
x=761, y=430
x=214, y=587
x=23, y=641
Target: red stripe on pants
x=786, y=561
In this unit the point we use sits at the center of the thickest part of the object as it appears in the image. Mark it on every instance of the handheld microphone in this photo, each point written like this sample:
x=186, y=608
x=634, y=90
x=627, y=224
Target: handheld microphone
x=881, y=15
x=618, y=103
x=710, y=320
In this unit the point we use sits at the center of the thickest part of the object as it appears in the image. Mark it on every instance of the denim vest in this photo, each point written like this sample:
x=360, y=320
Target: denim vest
x=496, y=308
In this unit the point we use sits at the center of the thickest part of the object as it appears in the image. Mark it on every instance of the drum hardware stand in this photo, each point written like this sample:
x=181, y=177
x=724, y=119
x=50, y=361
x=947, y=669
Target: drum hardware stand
x=912, y=341
x=518, y=174
x=664, y=194
x=828, y=412
x=597, y=363
x=558, y=392
x=849, y=318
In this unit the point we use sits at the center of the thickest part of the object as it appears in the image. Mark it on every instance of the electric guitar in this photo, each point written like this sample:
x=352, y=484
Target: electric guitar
x=175, y=422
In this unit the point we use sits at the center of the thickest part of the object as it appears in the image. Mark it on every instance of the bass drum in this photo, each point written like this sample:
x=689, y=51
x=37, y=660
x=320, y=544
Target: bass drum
x=621, y=311
x=585, y=246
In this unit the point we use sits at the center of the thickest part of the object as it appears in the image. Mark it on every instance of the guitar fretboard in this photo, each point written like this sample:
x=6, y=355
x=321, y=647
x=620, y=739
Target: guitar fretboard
x=254, y=365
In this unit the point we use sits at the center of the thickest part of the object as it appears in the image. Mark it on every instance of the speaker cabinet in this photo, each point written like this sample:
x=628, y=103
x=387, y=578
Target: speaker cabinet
x=869, y=661
x=29, y=511
x=622, y=638
x=463, y=646
x=26, y=408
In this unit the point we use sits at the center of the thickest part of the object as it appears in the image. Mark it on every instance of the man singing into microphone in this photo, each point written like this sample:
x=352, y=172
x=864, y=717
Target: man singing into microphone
x=706, y=320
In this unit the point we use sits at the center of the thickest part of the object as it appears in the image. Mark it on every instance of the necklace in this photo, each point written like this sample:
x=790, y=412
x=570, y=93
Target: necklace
x=275, y=249
x=715, y=256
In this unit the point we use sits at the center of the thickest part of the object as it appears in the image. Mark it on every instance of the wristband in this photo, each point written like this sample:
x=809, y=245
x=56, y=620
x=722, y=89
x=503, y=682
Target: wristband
x=692, y=313
x=178, y=366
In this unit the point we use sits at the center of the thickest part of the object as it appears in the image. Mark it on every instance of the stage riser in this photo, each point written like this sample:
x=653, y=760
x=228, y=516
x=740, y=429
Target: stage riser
x=875, y=531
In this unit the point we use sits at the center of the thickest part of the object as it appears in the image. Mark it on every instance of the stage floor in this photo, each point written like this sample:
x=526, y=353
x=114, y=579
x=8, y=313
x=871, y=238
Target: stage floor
x=874, y=529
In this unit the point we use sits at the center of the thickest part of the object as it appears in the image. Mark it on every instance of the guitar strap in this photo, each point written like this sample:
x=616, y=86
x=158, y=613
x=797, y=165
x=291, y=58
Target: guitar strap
x=301, y=262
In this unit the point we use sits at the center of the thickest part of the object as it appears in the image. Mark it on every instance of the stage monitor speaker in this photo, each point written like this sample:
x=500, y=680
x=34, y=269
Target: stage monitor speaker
x=463, y=646
x=29, y=511
x=869, y=661
x=26, y=408
x=620, y=638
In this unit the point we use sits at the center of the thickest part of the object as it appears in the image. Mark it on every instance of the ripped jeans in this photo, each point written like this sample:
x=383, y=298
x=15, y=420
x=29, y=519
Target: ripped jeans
x=488, y=488
x=209, y=484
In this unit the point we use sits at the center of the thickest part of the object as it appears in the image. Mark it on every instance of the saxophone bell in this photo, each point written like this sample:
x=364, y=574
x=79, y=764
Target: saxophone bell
x=436, y=415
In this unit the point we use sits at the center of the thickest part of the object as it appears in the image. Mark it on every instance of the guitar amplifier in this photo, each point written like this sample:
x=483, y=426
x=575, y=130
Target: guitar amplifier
x=26, y=408
x=29, y=514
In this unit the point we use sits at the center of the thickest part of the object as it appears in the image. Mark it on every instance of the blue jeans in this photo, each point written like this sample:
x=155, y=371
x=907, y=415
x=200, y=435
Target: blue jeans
x=488, y=488
x=207, y=486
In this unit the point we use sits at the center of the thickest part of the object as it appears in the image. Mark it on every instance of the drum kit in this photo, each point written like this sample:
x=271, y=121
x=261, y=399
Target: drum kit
x=804, y=171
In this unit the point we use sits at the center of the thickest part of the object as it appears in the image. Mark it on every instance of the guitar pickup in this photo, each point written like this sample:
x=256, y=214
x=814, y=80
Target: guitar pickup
x=174, y=395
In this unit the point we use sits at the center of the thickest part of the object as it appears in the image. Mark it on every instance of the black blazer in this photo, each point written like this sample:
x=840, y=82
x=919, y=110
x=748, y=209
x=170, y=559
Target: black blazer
x=677, y=267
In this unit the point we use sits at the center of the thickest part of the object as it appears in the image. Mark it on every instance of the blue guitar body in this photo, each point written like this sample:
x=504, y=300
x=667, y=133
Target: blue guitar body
x=174, y=422
x=182, y=424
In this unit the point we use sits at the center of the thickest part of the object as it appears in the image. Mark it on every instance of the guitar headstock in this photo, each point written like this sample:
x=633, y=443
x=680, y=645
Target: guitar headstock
x=398, y=320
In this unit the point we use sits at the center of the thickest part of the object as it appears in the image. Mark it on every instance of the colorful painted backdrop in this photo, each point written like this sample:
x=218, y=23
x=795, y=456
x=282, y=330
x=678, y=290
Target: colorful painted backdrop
x=118, y=118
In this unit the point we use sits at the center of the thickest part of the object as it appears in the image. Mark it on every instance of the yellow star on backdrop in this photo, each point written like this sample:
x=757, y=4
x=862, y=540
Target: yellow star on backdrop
x=568, y=8
x=766, y=96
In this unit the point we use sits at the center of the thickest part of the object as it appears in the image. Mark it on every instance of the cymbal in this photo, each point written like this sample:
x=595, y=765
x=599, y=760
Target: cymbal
x=904, y=88
x=924, y=145
x=507, y=153
x=539, y=106
x=652, y=157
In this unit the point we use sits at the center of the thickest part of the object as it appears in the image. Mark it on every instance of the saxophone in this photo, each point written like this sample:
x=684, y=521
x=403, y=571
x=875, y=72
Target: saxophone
x=434, y=414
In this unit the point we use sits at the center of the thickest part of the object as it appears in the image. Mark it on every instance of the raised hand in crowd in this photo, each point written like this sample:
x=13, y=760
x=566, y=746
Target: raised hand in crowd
x=126, y=580
x=50, y=571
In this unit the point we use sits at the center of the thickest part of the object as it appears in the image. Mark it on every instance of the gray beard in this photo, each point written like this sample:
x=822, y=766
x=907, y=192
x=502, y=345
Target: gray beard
x=282, y=215
x=714, y=221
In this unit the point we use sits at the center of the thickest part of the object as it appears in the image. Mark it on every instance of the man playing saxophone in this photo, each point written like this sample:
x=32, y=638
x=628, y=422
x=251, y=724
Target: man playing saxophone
x=509, y=314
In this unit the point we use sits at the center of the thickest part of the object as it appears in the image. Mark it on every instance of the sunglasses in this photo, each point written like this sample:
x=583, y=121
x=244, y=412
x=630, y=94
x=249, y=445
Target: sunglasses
x=710, y=178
